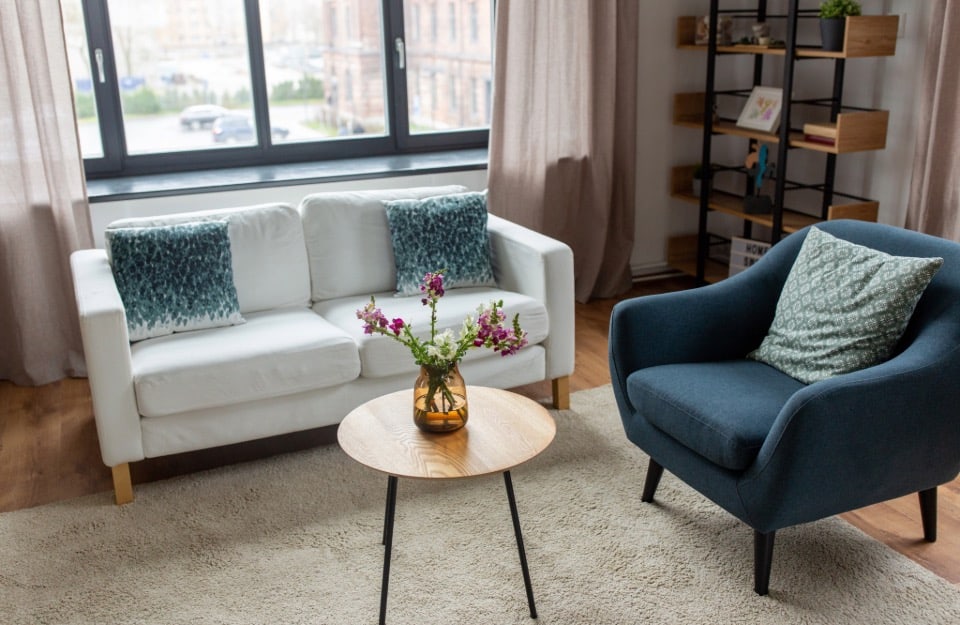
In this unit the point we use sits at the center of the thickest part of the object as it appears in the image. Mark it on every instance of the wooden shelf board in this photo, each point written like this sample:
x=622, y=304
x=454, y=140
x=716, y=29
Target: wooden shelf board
x=867, y=36
x=682, y=256
x=732, y=204
x=843, y=146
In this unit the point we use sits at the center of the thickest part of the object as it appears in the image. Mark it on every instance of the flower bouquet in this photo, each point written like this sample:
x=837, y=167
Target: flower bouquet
x=440, y=401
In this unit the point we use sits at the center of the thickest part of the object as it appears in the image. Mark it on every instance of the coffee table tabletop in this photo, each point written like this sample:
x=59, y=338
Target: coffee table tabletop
x=503, y=430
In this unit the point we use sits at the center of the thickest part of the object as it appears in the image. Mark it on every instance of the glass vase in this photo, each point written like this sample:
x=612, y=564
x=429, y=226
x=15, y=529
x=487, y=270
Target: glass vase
x=440, y=399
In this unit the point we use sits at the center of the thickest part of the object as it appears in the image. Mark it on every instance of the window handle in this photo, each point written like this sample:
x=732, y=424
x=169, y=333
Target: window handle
x=98, y=55
x=401, y=52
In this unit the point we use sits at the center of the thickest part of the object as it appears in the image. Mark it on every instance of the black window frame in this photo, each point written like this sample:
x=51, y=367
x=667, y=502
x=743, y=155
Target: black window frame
x=116, y=162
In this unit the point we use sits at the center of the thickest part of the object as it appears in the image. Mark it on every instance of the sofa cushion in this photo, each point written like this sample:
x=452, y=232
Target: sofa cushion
x=381, y=356
x=348, y=240
x=269, y=254
x=174, y=278
x=446, y=232
x=843, y=308
x=721, y=410
x=275, y=353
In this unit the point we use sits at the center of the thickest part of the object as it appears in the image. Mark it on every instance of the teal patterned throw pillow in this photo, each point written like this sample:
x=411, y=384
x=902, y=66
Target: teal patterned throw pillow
x=174, y=278
x=443, y=232
x=843, y=308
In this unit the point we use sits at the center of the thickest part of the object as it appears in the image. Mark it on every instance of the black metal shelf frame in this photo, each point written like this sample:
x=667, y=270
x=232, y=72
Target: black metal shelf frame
x=782, y=185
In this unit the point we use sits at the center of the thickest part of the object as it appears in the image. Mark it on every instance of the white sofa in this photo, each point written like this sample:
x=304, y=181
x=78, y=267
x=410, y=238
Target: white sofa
x=301, y=359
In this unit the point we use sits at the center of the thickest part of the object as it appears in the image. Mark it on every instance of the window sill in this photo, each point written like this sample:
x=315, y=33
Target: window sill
x=212, y=180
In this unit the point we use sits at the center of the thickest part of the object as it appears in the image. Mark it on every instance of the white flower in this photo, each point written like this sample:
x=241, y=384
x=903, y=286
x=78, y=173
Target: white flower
x=468, y=328
x=444, y=345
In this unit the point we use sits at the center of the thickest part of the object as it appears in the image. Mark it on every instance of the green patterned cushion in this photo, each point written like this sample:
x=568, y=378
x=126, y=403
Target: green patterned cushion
x=442, y=232
x=843, y=308
x=174, y=278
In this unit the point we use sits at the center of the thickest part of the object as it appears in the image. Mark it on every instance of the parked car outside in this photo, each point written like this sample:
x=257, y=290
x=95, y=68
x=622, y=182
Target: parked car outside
x=200, y=115
x=240, y=129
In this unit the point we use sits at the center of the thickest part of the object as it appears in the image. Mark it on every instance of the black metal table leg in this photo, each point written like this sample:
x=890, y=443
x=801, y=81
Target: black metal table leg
x=508, y=482
x=387, y=543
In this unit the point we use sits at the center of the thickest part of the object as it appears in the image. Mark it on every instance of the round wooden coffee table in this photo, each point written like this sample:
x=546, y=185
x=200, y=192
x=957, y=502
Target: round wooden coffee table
x=503, y=431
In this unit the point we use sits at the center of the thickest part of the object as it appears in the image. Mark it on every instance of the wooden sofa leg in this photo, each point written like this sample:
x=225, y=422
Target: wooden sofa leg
x=928, y=513
x=122, y=485
x=561, y=393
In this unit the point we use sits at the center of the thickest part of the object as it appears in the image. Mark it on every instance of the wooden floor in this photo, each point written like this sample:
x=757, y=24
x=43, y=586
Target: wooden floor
x=49, y=450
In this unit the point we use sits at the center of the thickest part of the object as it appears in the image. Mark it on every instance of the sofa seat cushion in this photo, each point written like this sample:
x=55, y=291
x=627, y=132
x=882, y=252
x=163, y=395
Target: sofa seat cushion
x=275, y=353
x=381, y=356
x=721, y=410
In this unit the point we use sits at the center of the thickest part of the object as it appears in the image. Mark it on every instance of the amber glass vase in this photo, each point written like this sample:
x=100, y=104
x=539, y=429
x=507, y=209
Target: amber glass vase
x=439, y=399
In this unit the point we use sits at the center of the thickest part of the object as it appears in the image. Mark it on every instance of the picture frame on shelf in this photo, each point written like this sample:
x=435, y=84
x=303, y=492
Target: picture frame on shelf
x=762, y=110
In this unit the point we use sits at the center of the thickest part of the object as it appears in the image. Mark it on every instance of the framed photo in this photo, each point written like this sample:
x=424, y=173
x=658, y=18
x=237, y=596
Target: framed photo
x=762, y=111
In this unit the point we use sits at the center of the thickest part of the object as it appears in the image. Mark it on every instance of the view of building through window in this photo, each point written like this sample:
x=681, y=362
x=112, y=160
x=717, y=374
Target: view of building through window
x=449, y=80
x=185, y=81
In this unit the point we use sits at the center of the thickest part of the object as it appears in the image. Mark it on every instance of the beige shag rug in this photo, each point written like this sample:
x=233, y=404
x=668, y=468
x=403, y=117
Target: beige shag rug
x=296, y=539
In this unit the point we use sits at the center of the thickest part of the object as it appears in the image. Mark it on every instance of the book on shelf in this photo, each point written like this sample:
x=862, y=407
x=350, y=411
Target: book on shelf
x=821, y=130
x=819, y=139
x=825, y=133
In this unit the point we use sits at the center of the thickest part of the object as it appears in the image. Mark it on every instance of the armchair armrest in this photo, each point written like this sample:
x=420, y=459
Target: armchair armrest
x=861, y=438
x=106, y=346
x=536, y=265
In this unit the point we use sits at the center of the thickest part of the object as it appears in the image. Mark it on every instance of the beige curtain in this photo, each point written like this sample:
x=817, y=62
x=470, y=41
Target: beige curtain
x=563, y=134
x=43, y=207
x=934, y=191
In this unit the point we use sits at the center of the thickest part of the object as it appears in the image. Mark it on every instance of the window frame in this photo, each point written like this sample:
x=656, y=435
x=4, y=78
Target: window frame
x=116, y=162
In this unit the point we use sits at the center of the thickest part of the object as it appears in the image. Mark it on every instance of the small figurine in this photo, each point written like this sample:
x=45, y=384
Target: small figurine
x=760, y=168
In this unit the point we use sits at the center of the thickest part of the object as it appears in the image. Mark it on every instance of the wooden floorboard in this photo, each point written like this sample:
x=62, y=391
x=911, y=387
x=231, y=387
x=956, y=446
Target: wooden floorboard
x=49, y=450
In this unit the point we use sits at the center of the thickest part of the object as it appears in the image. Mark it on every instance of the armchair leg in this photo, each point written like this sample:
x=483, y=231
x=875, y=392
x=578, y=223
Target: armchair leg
x=762, y=560
x=928, y=513
x=654, y=473
x=122, y=485
x=561, y=393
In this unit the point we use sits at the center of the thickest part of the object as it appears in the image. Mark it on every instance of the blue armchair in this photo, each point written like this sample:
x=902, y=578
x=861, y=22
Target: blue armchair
x=765, y=447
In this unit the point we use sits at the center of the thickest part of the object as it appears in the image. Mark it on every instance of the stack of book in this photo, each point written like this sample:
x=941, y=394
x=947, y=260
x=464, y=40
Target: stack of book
x=825, y=133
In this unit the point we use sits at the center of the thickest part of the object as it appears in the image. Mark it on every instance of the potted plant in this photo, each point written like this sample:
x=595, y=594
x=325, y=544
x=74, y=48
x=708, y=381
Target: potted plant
x=833, y=20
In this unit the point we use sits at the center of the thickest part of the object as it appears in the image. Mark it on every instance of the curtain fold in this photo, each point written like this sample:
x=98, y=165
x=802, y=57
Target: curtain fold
x=43, y=203
x=934, y=193
x=563, y=134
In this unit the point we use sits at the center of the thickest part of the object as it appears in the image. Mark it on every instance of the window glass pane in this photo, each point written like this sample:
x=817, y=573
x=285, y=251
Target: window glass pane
x=459, y=58
x=184, y=74
x=78, y=56
x=324, y=68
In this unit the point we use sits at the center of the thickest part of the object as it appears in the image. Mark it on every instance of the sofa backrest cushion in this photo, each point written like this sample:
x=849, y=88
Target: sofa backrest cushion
x=268, y=249
x=348, y=239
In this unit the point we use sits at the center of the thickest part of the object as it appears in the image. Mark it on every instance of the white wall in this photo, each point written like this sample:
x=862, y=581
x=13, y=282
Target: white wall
x=889, y=83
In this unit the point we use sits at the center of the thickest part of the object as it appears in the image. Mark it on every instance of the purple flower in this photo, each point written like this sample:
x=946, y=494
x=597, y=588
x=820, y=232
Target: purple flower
x=432, y=286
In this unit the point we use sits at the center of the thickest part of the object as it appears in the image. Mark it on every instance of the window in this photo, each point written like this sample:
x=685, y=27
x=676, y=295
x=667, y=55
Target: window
x=216, y=83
